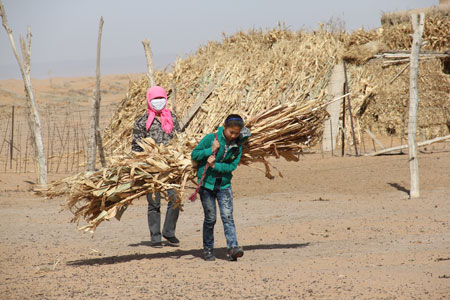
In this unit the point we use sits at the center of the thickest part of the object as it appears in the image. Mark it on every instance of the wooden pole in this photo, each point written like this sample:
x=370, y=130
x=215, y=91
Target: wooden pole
x=11, y=143
x=95, y=139
x=98, y=135
x=343, y=121
x=350, y=109
x=34, y=119
x=413, y=104
x=428, y=142
x=331, y=140
x=375, y=138
x=149, y=56
x=26, y=152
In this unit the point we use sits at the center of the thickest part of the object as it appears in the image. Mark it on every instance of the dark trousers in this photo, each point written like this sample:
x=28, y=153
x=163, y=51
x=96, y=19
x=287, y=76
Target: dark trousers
x=154, y=216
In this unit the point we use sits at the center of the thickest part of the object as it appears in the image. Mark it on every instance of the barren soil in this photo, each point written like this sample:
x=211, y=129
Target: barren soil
x=332, y=228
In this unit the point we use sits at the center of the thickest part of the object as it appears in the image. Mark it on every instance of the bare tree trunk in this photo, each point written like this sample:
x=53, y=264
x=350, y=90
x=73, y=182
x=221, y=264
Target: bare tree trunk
x=94, y=130
x=413, y=104
x=149, y=56
x=34, y=120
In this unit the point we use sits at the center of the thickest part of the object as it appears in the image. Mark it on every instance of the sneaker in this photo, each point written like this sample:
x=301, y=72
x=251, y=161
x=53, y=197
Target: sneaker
x=234, y=253
x=173, y=241
x=156, y=244
x=208, y=255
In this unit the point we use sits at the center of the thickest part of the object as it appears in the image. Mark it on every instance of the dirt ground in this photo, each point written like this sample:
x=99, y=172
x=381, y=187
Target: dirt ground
x=331, y=228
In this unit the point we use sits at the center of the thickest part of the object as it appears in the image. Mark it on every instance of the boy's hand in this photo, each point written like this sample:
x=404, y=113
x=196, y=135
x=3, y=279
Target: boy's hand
x=211, y=160
x=215, y=145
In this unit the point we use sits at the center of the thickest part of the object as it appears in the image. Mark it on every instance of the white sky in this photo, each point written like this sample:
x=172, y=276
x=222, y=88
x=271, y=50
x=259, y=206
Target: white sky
x=65, y=32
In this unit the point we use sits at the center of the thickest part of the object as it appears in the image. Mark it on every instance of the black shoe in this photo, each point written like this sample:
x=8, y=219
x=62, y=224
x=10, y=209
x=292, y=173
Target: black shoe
x=172, y=240
x=234, y=253
x=156, y=244
x=208, y=255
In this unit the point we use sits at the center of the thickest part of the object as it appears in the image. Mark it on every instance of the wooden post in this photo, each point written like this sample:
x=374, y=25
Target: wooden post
x=95, y=139
x=11, y=143
x=343, y=122
x=350, y=109
x=34, y=119
x=374, y=138
x=149, y=56
x=331, y=140
x=413, y=103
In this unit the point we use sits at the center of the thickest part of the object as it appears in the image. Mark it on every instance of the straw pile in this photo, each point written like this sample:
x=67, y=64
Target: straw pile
x=107, y=193
x=381, y=104
x=362, y=45
x=380, y=99
x=260, y=70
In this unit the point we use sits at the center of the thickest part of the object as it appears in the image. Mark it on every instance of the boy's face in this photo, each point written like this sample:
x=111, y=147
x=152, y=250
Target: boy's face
x=231, y=132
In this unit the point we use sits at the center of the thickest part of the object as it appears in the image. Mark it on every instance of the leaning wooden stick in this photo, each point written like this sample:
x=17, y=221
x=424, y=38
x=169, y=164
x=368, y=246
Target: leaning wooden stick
x=428, y=142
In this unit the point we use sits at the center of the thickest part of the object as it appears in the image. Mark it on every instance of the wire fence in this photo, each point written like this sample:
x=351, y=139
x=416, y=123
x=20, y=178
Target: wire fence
x=64, y=134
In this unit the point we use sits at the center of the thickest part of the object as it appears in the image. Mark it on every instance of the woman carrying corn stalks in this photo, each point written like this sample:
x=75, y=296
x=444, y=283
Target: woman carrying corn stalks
x=218, y=155
x=160, y=124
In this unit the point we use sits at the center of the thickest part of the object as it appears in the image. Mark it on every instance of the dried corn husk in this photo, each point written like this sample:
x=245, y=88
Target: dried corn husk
x=102, y=195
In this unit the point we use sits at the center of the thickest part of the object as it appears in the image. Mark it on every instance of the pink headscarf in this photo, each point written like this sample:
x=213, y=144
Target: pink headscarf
x=166, y=115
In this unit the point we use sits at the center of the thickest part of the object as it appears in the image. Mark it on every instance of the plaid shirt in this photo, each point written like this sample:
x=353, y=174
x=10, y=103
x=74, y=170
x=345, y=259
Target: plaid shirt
x=155, y=132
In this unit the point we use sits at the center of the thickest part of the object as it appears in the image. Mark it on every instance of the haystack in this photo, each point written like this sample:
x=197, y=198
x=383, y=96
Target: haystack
x=381, y=99
x=380, y=86
x=261, y=70
x=396, y=35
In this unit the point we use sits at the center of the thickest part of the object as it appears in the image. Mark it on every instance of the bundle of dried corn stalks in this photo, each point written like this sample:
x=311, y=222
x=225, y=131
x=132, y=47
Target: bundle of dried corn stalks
x=105, y=194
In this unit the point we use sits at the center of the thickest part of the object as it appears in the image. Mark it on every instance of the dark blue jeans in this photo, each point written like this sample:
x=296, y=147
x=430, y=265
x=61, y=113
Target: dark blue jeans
x=225, y=200
x=154, y=216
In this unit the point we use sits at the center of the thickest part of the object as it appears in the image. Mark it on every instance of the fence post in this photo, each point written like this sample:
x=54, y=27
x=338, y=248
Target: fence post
x=413, y=103
x=11, y=141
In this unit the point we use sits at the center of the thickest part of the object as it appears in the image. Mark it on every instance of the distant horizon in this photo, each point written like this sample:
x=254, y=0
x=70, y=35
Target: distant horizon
x=87, y=67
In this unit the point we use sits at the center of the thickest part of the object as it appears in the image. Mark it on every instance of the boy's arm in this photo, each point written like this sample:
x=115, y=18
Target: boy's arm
x=203, y=149
x=228, y=167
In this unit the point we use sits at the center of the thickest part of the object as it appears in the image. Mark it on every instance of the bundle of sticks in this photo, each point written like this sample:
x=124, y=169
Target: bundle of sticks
x=105, y=194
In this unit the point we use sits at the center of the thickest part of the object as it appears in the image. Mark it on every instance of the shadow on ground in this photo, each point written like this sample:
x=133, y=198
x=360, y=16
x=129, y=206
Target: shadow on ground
x=399, y=187
x=220, y=253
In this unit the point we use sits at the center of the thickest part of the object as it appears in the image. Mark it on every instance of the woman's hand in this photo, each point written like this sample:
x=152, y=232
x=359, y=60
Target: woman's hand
x=215, y=145
x=211, y=160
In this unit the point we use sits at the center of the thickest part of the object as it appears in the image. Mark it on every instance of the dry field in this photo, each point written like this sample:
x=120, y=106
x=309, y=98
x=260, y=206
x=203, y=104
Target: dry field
x=331, y=228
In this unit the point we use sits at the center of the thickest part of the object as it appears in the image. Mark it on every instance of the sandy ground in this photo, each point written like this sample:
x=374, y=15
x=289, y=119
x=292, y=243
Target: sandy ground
x=332, y=228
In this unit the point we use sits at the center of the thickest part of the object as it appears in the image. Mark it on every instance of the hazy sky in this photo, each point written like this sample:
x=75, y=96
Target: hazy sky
x=65, y=32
